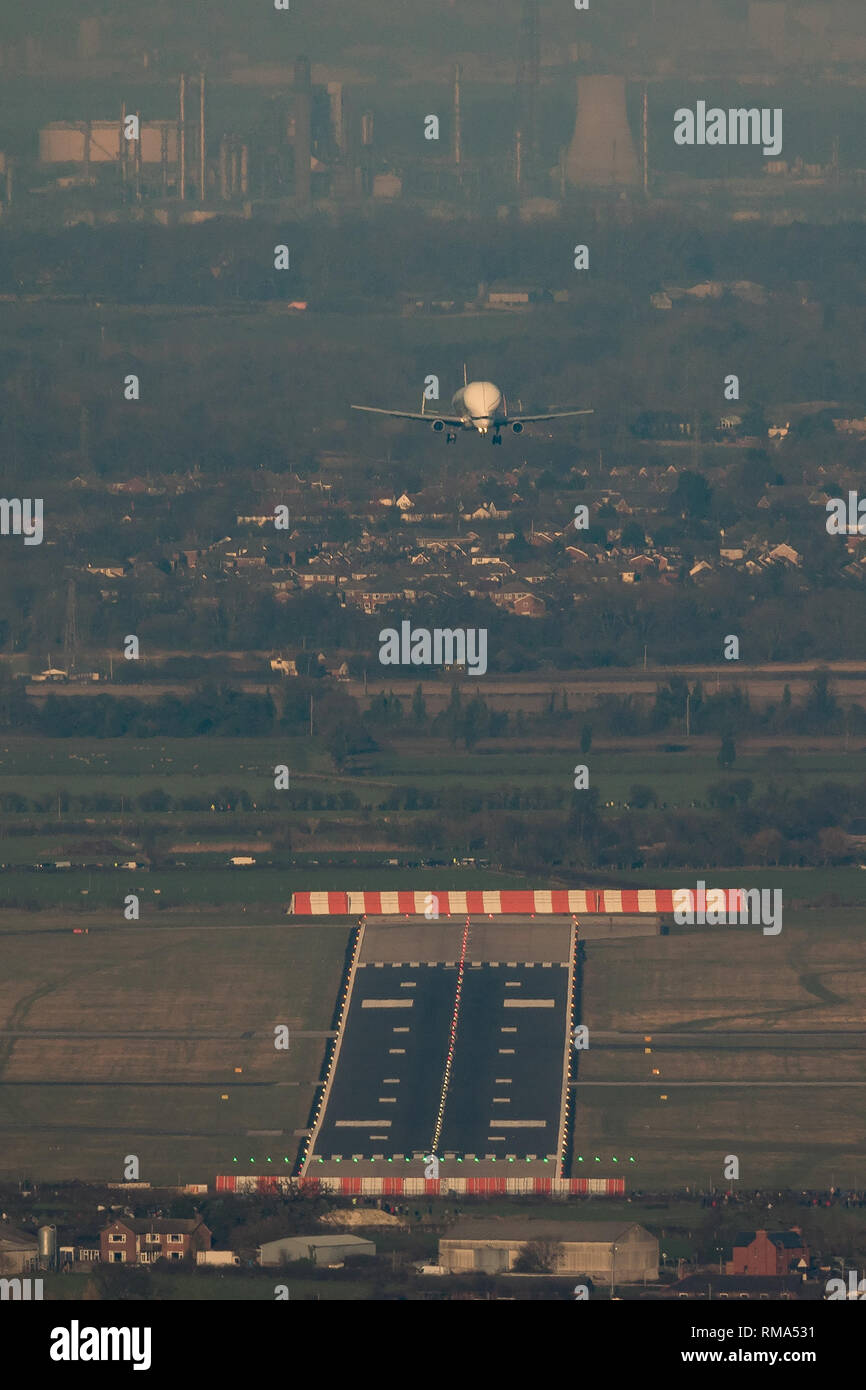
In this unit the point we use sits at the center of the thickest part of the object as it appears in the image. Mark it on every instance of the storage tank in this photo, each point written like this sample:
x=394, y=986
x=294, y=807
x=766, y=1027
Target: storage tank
x=47, y=1245
x=98, y=142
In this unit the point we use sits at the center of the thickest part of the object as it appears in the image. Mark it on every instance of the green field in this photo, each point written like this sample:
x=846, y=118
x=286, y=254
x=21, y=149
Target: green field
x=34, y=767
x=678, y=779
x=75, y=1106
x=810, y=981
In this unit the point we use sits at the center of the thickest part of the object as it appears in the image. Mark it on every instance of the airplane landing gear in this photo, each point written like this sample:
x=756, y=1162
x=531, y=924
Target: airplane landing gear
x=497, y=438
x=450, y=437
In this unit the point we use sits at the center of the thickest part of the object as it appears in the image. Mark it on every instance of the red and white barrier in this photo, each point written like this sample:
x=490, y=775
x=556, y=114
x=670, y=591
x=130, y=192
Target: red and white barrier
x=513, y=902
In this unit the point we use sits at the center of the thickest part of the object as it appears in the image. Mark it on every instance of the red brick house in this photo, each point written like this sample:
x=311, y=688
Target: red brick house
x=767, y=1253
x=138, y=1242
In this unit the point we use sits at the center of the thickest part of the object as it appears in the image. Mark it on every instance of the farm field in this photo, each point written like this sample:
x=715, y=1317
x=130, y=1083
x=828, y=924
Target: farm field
x=807, y=987
x=44, y=767
x=677, y=778
x=84, y=892
x=178, y=1013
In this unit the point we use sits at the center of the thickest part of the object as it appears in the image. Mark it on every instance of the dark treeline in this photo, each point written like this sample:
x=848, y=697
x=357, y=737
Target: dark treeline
x=467, y=719
x=678, y=623
x=345, y=263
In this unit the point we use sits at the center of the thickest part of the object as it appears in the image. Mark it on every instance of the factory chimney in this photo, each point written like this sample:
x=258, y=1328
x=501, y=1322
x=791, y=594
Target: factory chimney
x=458, y=121
x=303, y=104
x=602, y=152
x=181, y=139
x=202, y=142
x=367, y=153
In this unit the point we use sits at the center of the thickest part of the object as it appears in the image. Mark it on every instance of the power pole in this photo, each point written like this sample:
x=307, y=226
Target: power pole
x=70, y=632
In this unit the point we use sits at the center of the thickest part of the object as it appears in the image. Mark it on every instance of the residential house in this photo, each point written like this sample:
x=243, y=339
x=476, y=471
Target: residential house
x=130, y=1240
x=768, y=1252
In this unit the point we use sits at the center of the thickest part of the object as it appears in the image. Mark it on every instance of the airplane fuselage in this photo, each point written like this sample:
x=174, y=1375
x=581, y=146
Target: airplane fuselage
x=479, y=405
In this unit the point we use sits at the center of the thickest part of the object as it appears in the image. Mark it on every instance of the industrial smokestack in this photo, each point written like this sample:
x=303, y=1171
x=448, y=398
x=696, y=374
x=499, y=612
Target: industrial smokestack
x=122, y=149
x=303, y=130
x=458, y=125
x=181, y=137
x=163, y=158
x=224, y=169
x=367, y=153
x=338, y=115
x=601, y=153
x=644, y=140
x=202, y=146
x=137, y=158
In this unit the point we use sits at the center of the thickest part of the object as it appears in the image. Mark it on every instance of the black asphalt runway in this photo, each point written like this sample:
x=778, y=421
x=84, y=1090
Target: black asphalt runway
x=505, y=1087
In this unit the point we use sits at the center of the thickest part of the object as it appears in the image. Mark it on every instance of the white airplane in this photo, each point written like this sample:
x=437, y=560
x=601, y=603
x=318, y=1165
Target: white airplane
x=478, y=405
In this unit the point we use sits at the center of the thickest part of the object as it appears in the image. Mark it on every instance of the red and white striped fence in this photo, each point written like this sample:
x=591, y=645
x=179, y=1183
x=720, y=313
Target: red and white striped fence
x=512, y=901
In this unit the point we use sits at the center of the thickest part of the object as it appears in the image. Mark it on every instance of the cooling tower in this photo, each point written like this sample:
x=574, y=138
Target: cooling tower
x=602, y=152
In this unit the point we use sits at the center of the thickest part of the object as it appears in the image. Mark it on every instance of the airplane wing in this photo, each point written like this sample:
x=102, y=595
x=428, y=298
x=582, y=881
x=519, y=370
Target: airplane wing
x=530, y=419
x=410, y=415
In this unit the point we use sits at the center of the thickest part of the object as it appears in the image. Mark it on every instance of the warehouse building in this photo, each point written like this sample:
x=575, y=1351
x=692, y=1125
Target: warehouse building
x=603, y=1251
x=322, y=1250
x=19, y=1251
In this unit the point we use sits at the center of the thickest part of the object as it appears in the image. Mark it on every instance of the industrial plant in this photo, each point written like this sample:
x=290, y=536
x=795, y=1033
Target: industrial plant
x=200, y=138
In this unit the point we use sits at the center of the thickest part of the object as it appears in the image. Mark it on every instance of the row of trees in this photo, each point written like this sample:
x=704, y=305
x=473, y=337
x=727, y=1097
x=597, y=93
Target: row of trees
x=325, y=709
